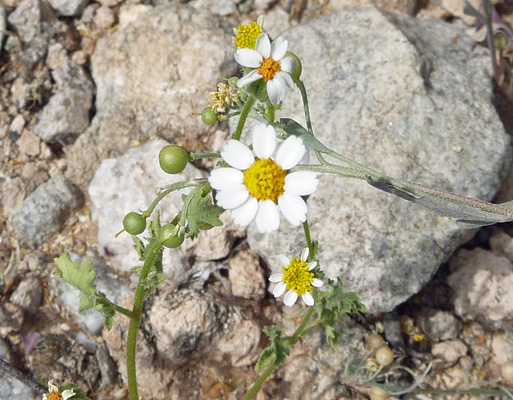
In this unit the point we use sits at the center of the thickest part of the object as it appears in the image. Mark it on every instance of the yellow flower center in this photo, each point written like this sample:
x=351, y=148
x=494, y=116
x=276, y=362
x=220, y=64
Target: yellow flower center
x=53, y=396
x=247, y=35
x=297, y=277
x=268, y=68
x=265, y=180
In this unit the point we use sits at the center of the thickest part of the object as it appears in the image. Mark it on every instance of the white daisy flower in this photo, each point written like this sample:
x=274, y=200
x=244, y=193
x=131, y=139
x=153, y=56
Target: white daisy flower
x=270, y=64
x=258, y=186
x=297, y=278
x=54, y=393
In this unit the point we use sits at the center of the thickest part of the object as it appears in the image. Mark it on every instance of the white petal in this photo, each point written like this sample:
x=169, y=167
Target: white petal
x=308, y=299
x=67, y=394
x=288, y=64
x=248, y=58
x=293, y=208
x=304, y=254
x=279, y=48
x=279, y=289
x=312, y=265
x=253, y=76
x=301, y=183
x=237, y=155
x=223, y=178
x=263, y=45
x=290, y=152
x=283, y=260
x=276, y=91
x=285, y=79
x=232, y=197
x=244, y=214
x=317, y=282
x=267, y=218
x=290, y=298
x=276, y=277
x=264, y=140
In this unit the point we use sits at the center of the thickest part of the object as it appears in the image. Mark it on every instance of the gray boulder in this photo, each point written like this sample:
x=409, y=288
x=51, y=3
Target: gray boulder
x=407, y=97
x=144, y=90
x=43, y=211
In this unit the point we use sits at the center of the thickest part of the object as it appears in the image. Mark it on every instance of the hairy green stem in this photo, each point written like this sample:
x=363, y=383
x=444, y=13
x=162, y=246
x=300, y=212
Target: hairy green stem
x=199, y=156
x=306, y=229
x=304, y=97
x=135, y=321
x=332, y=169
x=292, y=340
x=122, y=310
x=169, y=189
x=243, y=116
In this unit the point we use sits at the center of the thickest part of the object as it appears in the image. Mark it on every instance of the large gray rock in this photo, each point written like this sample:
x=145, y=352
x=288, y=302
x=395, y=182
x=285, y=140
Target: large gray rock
x=43, y=211
x=481, y=282
x=182, y=326
x=66, y=115
x=407, y=97
x=143, y=90
x=130, y=183
x=13, y=389
x=27, y=19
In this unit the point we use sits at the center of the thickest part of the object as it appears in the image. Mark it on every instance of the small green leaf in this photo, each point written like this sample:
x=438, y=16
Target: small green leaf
x=332, y=304
x=276, y=353
x=82, y=277
x=200, y=212
x=151, y=281
x=139, y=246
x=79, y=392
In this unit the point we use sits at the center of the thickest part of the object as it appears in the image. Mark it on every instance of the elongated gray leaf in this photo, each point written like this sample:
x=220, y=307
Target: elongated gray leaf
x=470, y=213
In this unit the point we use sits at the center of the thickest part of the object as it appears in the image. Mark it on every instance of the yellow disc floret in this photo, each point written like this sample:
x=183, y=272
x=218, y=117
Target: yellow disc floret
x=265, y=180
x=268, y=68
x=297, y=277
x=53, y=396
x=247, y=35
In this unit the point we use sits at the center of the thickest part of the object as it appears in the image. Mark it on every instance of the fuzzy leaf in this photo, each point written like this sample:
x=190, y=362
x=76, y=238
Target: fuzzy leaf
x=332, y=304
x=276, y=353
x=200, y=212
x=82, y=277
x=79, y=276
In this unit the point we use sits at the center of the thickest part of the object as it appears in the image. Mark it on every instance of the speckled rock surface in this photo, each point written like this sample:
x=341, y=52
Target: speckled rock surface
x=412, y=99
x=148, y=81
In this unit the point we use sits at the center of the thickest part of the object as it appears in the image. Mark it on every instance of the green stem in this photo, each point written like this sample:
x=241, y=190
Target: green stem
x=306, y=229
x=199, y=156
x=302, y=326
x=167, y=190
x=332, y=169
x=302, y=89
x=122, y=310
x=292, y=340
x=135, y=321
x=308, y=120
x=243, y=116
x=258, y=383
x=271, y=111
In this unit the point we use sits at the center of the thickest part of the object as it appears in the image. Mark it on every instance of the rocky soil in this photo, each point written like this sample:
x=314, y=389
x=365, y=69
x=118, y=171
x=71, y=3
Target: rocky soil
x=91, y=90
